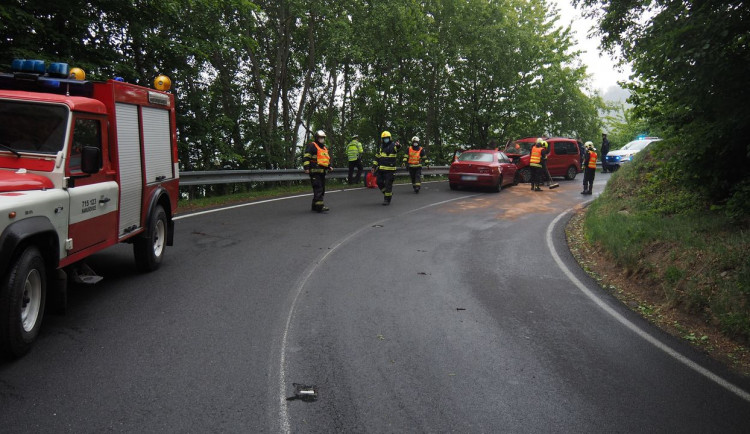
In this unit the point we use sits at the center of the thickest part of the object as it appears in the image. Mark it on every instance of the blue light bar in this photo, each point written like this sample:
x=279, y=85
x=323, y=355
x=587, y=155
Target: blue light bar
x=17, y=65
x=34, y=66
x=58, y=70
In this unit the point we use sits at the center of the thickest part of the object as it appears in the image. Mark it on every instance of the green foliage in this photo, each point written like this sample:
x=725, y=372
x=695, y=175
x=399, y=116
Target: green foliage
x=660, y=227
x=692, y=63
x=253, y=80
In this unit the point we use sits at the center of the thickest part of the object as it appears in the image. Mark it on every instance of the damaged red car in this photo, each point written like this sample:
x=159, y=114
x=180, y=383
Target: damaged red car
x=482, y=168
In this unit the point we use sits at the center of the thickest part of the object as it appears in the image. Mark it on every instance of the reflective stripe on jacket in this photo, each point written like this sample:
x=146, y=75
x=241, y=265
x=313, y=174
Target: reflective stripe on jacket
x=592, y=160
x=316, y=158
x=414, y=156
x=322, y=157
x=385, y=159
x=536, y=156
x=353, y=150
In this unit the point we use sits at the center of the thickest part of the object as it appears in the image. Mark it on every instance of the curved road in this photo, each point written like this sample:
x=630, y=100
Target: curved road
x=449, y=311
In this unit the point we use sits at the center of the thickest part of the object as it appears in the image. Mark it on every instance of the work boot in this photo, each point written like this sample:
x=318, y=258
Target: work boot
x=538, y=189
x=323, y=209
x=584, y=191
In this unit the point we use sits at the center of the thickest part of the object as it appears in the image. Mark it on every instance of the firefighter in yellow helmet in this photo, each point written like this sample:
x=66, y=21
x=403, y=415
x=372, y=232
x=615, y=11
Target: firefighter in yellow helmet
x=535, y=162
x=413, y=161
x=589, y=171
x=317, y=163
x=385, y=165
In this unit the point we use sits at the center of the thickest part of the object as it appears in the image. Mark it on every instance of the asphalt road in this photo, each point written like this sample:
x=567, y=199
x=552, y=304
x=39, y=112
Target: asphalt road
x=448, y=311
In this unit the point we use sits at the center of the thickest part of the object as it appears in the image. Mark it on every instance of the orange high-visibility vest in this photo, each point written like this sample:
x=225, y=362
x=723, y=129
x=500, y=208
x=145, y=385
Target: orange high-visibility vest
x=323, y=159
x=536, y=156
x=414, y=156
x=592, y=160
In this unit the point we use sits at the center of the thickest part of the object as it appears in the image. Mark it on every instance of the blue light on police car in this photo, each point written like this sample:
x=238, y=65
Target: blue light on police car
x=119, y=79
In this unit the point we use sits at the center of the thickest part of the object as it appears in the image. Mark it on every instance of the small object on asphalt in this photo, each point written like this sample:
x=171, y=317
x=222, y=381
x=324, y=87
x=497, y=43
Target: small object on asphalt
x=304, y=393
x=460, y=308
x=422, y=273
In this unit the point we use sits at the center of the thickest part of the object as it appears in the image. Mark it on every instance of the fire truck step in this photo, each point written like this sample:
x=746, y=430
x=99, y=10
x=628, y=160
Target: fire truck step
x=84, y=274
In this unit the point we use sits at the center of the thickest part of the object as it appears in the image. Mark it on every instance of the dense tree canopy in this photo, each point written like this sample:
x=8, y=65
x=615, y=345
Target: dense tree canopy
x=254, y=79
x=691, y=60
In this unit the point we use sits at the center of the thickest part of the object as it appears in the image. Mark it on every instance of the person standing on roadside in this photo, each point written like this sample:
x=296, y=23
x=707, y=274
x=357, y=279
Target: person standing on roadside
x=535, y=162
x=354, y=155
x=317, y=163
x=385, y=165
x=605, y=151
x=589, y=172
x=413, y=161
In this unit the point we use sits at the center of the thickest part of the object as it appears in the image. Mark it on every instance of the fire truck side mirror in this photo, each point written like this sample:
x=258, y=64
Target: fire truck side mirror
x=91, y=158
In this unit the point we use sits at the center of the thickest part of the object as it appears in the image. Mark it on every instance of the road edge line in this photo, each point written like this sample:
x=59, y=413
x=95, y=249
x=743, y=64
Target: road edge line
x=738, y=391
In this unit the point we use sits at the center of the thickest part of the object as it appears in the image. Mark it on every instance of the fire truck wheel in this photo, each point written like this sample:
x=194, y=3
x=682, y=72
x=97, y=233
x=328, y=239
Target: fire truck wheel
x=149, y=251
x=22, y=299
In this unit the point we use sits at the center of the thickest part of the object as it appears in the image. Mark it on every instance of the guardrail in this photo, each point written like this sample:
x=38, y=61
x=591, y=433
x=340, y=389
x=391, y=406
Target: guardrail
x=212, y=177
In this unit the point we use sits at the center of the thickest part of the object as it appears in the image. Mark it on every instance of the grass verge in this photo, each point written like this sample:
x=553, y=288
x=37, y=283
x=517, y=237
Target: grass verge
x=653, y=244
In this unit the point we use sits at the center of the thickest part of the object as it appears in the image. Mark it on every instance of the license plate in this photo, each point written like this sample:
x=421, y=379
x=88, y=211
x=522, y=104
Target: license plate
x=468, y=178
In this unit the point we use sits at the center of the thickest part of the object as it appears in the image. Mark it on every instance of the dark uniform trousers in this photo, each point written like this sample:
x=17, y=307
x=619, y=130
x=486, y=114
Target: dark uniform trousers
x=385, y=182
x=588, y=179
x=416, y=177
x=352, y=165
x=318, y=181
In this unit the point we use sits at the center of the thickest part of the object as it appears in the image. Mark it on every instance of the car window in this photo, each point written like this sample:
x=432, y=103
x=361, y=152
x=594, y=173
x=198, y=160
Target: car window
x=637, y=145
x=519, y=148
x=565, y=148
x=502, y=158
x=86, y=132
x=476, y=156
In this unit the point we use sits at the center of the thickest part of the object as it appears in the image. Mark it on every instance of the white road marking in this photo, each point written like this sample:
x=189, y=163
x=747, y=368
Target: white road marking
x=633, y=327
x=210, y=211
x=283, y=413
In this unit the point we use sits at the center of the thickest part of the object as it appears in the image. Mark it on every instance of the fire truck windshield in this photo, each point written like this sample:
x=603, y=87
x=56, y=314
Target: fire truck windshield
x=32, y=127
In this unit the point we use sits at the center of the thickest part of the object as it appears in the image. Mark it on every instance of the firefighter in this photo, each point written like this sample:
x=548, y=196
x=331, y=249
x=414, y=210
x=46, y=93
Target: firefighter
x=544, y=172
x=385, y=165
x=317, y=163
x=354, y=154
x=535, y=162
x=412, y=160
x=589, y=163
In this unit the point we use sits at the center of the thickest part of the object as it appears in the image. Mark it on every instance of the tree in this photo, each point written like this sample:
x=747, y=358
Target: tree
x=692, y=62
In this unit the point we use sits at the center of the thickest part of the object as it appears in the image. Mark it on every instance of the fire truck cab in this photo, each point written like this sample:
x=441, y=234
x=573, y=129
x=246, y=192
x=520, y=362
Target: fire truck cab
x=83, y=165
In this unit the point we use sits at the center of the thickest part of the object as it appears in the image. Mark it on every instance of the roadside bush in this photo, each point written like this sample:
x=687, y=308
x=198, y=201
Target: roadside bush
x=661, y=228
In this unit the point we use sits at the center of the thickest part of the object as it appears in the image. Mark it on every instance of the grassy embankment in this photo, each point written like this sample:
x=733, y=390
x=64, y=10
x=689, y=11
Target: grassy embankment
x=278, y=189
x=677, y=261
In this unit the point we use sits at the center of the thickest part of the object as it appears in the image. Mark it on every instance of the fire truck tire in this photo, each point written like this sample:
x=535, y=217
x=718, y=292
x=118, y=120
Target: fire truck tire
x=149, y=250
x=22, y=299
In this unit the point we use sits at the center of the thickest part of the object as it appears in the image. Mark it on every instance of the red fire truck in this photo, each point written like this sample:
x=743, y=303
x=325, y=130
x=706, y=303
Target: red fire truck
x=83, y=165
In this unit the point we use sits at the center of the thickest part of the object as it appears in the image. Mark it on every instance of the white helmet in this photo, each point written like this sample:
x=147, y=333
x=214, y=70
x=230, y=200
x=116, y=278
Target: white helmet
x=540, y=140
x=320, y=133
x=590, y=146
x=415, y=139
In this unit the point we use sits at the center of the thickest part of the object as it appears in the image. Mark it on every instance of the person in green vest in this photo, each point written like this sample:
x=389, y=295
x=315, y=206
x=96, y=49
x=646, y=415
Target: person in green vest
x=354, y=154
